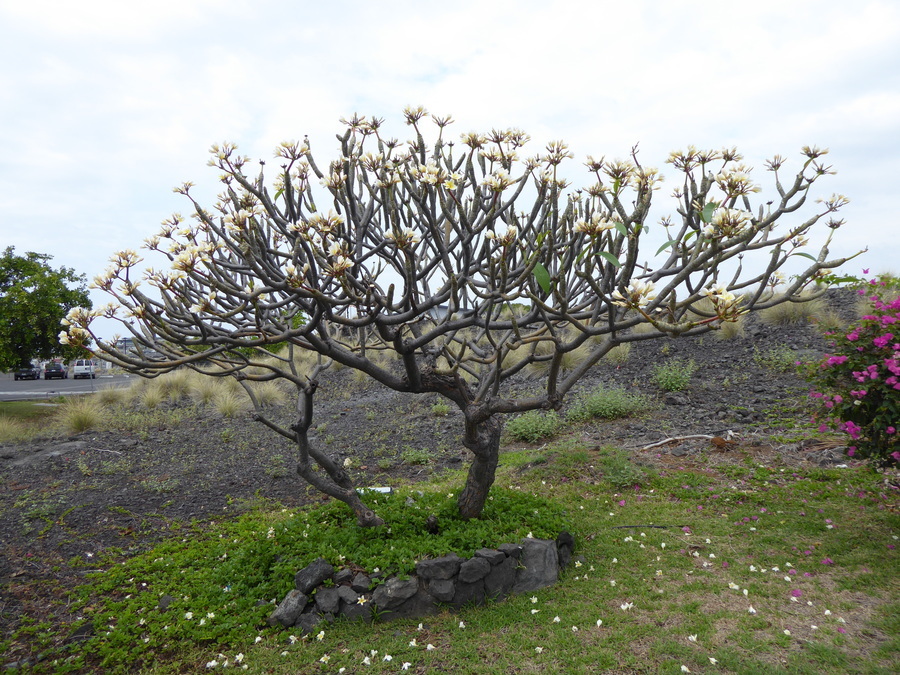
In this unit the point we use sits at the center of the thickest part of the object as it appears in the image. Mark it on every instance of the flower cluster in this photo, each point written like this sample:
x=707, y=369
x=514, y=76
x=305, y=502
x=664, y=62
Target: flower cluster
x=858, y=385
x=638, y=294
x=726, y=304
x=597, y=224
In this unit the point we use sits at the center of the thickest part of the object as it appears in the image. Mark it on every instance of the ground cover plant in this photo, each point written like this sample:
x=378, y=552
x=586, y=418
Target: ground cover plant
x=447, y=268
x=749, y=570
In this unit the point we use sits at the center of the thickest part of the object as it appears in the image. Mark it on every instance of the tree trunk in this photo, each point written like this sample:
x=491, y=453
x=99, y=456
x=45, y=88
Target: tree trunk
x=483, y=439
x=332, y=480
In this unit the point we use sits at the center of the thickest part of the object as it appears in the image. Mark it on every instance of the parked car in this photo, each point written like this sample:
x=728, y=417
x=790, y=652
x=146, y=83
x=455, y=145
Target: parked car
x=84, y=368
x=55, y=370
x=27, y=373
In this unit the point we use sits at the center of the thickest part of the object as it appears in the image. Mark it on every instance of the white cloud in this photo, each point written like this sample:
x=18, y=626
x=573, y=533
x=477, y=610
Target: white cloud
x=117, y=102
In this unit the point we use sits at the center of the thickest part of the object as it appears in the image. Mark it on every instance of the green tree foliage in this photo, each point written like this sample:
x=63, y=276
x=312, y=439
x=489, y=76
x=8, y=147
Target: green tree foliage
x=34, y=298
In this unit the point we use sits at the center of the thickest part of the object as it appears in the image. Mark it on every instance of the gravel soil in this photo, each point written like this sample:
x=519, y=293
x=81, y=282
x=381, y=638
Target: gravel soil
x=68, y=499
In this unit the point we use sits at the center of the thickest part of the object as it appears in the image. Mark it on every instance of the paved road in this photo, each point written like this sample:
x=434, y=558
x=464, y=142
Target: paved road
x=12, y=390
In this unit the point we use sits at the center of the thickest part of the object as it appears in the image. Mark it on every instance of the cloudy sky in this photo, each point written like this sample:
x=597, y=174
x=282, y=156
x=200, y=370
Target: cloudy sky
x=106, y=105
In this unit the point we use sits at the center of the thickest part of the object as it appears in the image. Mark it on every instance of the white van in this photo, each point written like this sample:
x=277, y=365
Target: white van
x=84, y=368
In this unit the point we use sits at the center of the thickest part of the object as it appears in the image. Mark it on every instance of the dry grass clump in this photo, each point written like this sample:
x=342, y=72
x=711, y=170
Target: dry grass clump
x=12, y=430
x=569, y=360
x=793, y=312
x=204, y=390
x=619, y=354
x=269, y=393
x=229, y=403
x=81, y=413
x=109, y=396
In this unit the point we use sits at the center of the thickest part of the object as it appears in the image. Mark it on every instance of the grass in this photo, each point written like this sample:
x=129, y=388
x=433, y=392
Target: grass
x=791, y=312
x=668, y=566
x=534, y=425
x=608, y=404
x=81, y=413
x=674, y=374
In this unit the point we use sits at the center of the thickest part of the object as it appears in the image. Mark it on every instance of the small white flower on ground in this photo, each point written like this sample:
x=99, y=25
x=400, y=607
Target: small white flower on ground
x=188, y=615
x=292, y=638
x=612, y=582
x=599, y=623
x=841, y=619
x=733, y=586
x=713, y=661
x=556, y=619
x=538, y=649
x=751, y=610
x=685, y=669
x=462, y=624
x=625, y=606
x=692, y=638
x=419, y=627
x=535, y=611
x=412, y=643
x=388, y=657
x=238, y=658
x=211, y=664
x=258, y=639
x=746, y=592
x=320, y=636
x=814, y=627
x=367, y=661
x=574, y=629
x=405, y=666
x=827, y=612
x=429, y=647
x=787, y=632
x=577, y=563
x=533, y=599
x=325, y=658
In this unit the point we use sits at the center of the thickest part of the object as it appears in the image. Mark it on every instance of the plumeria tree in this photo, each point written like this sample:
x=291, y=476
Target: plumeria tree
x=464, y=260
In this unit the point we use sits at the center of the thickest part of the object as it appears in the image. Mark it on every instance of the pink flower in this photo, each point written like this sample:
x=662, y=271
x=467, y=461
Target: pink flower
x=890, y=430
x=827, y=561
x=796, y=592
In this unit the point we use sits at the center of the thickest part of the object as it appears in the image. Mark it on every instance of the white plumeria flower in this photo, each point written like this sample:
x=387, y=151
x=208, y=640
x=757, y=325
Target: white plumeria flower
x=713, y=661
x=320, y=636
x=751, y=610
x=533, y=599
x=405, y=666
x=429, y=647
x=388, y=657
x=412, y=643
x=462, y=624
x=538, y=649
x=556, y=619
x=625, y=606
x=685, y=669
x=692, y=638
x=367, y=661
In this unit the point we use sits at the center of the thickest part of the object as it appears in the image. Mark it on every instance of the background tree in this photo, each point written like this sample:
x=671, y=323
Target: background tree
x=34, y=298
x=461, y=262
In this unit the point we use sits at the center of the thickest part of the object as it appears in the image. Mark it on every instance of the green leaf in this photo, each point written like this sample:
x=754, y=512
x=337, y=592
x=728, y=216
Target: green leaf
x=666, y=245
x=622, y=229
x=806, y=255
x=707, y=213
x=542, y=276
x=611, y=258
